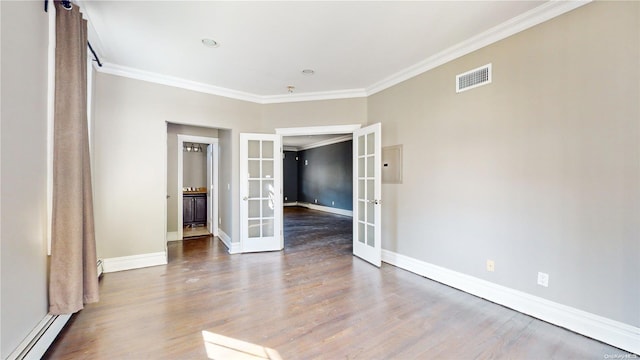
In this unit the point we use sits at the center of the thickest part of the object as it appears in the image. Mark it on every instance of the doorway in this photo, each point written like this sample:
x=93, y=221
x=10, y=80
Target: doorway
x=317, y=191
x=197, y=205
x=261, y=161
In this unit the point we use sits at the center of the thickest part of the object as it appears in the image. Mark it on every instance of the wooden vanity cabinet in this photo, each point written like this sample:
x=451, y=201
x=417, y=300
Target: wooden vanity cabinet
x=194, y=209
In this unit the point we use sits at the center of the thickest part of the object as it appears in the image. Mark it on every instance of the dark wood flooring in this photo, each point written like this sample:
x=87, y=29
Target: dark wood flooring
x=312, y=300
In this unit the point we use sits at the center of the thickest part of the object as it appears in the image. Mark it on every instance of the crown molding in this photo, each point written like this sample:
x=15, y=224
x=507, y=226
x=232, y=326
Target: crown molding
x=531, y=18
x=133, y=73
x=321, y=95
x=318, y=130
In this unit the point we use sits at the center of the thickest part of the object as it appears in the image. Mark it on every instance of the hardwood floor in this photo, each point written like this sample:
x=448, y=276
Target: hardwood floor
x=312, y=300
x=189, y=232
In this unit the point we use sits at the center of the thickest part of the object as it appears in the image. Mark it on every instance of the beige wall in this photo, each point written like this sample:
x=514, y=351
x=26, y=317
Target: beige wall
x=130, y=113
x=194, y=172
x=314, y=113
x=227, y=205
x=172, y=166
x=538, y=171
x=23, y=212
x=130, y=179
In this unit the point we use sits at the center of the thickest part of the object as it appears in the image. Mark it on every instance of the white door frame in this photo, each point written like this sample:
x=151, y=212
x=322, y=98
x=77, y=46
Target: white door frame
x=212, y=186
x=318, y=130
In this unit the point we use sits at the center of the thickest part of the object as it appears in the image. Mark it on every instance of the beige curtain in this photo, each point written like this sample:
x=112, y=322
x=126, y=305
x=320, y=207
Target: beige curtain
x=73, y=278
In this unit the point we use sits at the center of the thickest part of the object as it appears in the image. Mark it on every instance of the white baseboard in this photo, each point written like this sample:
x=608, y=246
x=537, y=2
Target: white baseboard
x=234, y=248
x=172, y=236
x=295, y=203
x=612, y=332
x=100, y=267
x=326, y=209
x=40, y=338
x=134, y=262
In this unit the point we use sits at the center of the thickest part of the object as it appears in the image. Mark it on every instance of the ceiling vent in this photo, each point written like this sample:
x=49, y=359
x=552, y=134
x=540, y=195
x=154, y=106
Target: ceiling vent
x=473, y=78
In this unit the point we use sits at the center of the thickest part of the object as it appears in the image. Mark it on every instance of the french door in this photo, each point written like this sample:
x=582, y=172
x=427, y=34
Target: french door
x=367, y=194
x=260, y=192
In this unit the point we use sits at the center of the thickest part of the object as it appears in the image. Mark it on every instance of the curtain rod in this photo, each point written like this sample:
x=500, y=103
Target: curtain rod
x=67, y=5
x=95, y=56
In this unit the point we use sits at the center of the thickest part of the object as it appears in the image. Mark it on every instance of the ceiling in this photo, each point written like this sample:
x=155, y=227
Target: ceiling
x=353, y=46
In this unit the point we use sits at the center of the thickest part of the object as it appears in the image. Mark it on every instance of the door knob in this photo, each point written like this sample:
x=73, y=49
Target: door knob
x=245, y=198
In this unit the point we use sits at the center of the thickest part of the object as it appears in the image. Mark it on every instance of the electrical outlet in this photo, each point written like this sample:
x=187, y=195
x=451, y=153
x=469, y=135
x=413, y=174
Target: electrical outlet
x=285, y=198
x=228, y=186
x=333, y=203
x=543, y=279
x=306, y=162
x=491, y=265
x=316, y=201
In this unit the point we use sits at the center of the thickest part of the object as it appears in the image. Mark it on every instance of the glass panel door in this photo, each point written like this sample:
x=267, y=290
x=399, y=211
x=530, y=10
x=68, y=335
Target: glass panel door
x=367, y=194
x=260, y=189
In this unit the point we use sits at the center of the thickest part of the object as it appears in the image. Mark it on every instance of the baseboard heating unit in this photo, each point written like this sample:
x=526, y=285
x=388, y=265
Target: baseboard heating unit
x=42, y=336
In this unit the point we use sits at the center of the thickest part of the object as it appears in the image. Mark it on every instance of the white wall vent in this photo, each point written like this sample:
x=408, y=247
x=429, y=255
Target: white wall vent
x=473, y=78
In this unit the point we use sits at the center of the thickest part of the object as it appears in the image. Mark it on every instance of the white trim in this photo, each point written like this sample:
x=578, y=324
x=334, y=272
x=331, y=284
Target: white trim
x=233, y=248
x=172, y=236
x=327, y=142
x=315, y=96
x=40, y=338
x=213, y=191
x=326, y=209
x=612, y=332
x=133, y=73
x=134, y=262
x=529, y=19
x=51, y=91
x=295, y=203
x=100, y=266
x=318, y=130
x=165, y=183
x=156, y=78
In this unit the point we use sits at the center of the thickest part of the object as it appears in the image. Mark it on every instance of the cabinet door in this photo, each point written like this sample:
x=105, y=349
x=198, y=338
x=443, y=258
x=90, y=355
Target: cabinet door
x=188, y=213
x=200, y=207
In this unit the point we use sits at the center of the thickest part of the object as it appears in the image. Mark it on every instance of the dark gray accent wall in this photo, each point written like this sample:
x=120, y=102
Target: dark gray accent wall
x=325, y=175
x=290, y=176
